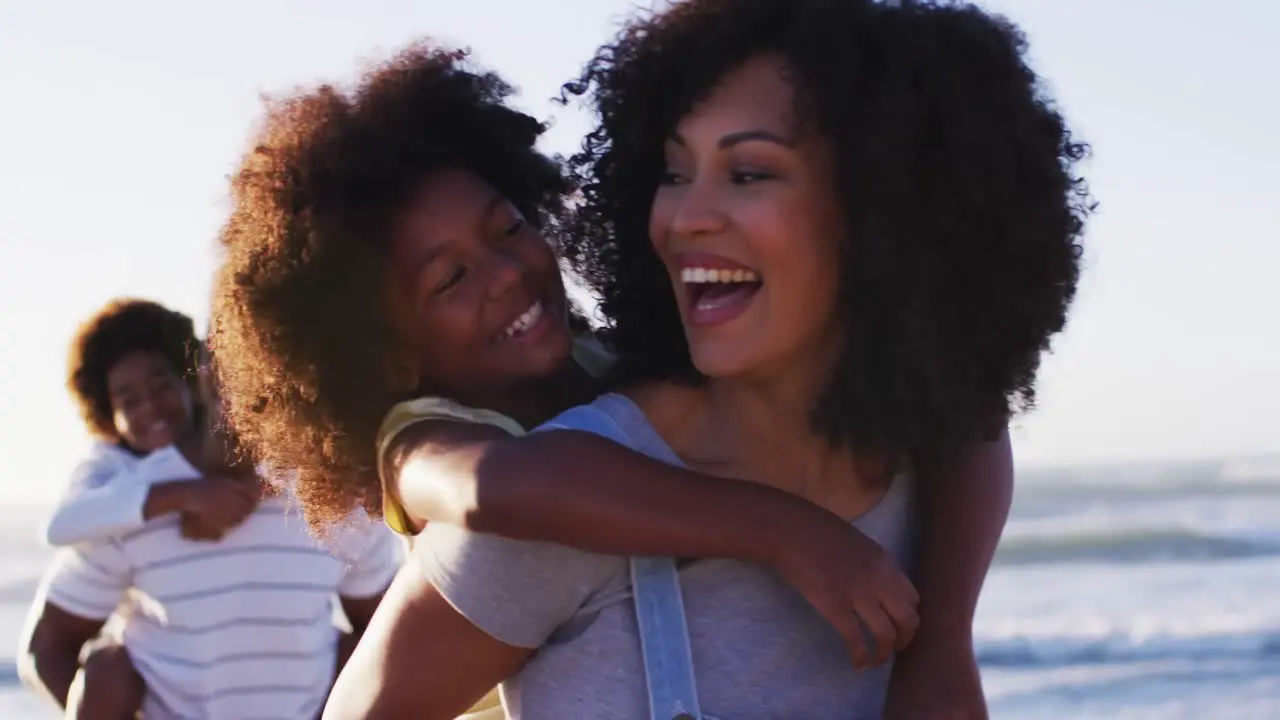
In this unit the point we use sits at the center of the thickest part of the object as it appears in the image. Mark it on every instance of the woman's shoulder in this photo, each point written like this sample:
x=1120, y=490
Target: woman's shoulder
x=612, y=415
x=518, y=591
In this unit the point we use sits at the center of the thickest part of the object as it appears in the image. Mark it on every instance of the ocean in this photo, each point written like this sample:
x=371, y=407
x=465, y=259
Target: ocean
x=1143, y=591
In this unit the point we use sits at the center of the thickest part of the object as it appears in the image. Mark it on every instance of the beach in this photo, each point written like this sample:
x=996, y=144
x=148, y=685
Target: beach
x=1133, y=591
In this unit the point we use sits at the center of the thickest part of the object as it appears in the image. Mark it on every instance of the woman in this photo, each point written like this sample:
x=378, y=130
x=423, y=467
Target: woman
x=918, y=212
x=301, y=368
x=379, y=249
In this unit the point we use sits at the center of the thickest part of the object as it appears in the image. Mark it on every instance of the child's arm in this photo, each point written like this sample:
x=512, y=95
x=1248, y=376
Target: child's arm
x=962, y=509
x=105, y=500
x=581, y=490
x=100, y=505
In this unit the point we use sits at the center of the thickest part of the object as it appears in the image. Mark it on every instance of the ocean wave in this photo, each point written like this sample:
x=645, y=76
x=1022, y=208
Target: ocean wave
x=1022, y=652
x=1256, y=476
x=1132, y=546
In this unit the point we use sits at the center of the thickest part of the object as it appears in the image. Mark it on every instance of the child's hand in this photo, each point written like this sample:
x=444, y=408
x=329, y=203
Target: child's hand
x=193, y=528
x=853, y=583
x=217, y=503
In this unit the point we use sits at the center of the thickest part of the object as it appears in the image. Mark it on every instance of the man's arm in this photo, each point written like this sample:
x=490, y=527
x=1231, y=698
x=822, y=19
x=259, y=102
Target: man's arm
x=83, y=587
x=49, y=657
x=963, y=508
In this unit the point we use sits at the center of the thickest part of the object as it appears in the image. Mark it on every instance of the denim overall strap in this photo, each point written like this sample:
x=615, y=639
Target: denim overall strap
x=664, y=634
x=664, y=639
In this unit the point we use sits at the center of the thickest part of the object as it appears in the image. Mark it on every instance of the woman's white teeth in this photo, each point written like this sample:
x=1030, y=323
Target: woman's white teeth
x=717, y=275
x=525, y=321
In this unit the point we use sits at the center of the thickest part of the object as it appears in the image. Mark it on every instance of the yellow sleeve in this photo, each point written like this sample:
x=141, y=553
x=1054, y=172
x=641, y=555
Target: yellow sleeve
x=488, y=708
x=414, y=411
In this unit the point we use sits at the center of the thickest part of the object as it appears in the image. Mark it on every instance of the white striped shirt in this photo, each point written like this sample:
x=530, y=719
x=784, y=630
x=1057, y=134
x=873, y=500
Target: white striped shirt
x=236, y=629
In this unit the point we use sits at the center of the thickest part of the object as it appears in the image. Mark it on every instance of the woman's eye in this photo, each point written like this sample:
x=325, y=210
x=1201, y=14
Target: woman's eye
x=746, y=177
x=671, y=177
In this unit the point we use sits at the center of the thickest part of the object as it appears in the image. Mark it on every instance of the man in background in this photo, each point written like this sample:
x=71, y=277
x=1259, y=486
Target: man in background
x=236, y=626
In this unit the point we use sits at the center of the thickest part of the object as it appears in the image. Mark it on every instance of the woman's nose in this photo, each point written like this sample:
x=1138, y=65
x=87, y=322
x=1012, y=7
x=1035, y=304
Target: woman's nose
x=698, y=211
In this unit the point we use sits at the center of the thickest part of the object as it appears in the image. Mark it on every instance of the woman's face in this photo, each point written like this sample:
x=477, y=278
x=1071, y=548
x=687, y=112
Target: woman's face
x=150, y=402
x=747, y=224
x=478, y=293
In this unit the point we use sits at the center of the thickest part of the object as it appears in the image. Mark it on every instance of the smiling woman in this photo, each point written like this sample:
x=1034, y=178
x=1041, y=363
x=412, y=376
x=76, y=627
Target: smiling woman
x=382, y=247
x=909, y=143
x=394, y=243
x=743, y=191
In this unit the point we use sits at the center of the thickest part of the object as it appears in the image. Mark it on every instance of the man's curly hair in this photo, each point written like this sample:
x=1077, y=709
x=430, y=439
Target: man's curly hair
x=301, y=330
x=124, y=326
x=963, y=205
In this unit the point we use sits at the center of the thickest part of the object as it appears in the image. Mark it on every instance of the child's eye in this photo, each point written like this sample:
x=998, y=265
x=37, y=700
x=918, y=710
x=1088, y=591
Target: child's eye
x=454, y=278
x=515, y=227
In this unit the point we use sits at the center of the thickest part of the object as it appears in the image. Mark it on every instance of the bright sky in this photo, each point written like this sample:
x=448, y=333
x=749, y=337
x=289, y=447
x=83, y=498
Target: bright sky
x=122, y=120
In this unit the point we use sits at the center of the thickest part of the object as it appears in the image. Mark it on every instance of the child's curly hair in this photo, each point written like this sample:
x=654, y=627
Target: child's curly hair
x=121, y=327
x=301, y=334
x=963, y=204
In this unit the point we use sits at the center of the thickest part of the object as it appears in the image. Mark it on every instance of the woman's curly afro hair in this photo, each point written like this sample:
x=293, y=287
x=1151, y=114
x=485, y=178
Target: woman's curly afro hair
x=125, y=326
x=301, y=334
x=963, y=206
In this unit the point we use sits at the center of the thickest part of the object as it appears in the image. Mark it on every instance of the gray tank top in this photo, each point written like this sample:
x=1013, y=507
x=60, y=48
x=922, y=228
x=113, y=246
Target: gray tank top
x=758, y=649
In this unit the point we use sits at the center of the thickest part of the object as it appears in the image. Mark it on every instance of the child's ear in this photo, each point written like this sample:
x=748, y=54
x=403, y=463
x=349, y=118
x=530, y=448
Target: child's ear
x=401, y=372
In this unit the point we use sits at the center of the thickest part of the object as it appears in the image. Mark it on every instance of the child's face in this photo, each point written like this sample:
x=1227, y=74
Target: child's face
x=150, y=402
x=477, y=293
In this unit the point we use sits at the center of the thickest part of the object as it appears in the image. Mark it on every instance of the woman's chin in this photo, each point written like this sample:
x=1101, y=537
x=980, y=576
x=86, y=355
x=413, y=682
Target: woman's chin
x=718, y=362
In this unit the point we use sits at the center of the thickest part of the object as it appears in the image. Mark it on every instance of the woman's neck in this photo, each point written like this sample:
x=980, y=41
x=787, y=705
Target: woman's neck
x=760, y=430
x=767, y=425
